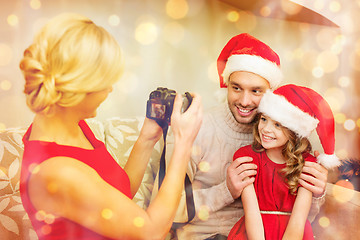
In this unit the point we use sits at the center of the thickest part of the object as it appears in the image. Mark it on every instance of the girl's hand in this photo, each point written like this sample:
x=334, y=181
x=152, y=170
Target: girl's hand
x=186, y=125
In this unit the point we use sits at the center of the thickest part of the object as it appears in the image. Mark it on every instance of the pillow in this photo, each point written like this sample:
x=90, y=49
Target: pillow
x=120, y=137
x=14, y=221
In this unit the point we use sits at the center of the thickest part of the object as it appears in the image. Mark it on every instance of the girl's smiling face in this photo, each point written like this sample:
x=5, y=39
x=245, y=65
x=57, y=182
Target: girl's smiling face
x=272, y=134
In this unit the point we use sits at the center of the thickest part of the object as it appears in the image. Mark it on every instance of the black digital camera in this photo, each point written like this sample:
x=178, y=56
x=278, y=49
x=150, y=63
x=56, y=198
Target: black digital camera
x=160, y=105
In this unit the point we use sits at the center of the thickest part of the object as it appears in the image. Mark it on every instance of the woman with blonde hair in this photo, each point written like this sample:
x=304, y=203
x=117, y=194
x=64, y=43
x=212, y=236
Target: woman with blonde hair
x=68, y=179
x=276, y=206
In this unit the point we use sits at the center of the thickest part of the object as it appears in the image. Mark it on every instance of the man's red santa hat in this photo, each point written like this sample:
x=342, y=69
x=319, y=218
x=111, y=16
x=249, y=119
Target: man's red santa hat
x=246, y=53
x=302, y=110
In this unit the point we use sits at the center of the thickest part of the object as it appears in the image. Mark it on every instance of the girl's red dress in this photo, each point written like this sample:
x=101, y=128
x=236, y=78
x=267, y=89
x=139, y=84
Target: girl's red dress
x=272, y=194
x=35, y=152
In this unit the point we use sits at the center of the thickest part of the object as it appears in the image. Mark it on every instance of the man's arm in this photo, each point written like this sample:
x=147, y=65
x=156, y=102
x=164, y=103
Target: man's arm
x=239, y=175
x=314, y=179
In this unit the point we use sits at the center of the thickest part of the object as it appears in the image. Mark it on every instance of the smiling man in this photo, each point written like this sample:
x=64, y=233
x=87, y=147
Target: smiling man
x=247, y=67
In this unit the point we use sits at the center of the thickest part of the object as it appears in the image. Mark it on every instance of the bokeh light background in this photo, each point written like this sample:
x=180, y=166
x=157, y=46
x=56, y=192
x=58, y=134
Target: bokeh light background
x=175, y=44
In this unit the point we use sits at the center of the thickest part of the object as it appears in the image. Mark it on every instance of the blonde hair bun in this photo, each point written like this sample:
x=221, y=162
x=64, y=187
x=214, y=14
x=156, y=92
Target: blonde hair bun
x=70, y=57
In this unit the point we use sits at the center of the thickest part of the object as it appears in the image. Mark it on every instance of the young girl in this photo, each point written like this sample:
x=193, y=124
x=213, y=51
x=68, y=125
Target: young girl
x=276, y=206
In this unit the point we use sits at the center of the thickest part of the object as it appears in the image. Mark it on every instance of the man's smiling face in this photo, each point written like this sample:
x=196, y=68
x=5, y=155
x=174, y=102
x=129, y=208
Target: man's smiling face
x=245, y=91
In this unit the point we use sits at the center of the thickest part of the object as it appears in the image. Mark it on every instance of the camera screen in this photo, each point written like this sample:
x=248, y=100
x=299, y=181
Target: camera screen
x=157, y=111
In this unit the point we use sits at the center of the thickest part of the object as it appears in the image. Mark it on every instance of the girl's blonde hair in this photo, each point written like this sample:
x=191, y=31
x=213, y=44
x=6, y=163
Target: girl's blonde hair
x=70, y=57
x=292, y=151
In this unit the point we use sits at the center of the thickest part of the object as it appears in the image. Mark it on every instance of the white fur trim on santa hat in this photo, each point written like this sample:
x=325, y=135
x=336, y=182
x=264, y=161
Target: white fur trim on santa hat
x=328, y=161
x=279, y=109
x=254, y=64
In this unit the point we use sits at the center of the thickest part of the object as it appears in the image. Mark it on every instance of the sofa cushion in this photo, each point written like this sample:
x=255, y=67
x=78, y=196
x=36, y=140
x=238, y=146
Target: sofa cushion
x=119, y=136
x=14, y=222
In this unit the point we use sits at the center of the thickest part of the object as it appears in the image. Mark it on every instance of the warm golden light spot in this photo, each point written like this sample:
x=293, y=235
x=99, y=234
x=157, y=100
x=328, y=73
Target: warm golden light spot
x=204, y=166
x=174, y=33
x=146, y=33
x=319, y=4
x=324, y=222
x=49, y=219
x=308, y=60
x=349, y=125
x=232, y=16
x=204, y=213
x=114, y=20
x=13, y=20
x=335, y=6
x=177, y=9
x=358, y=122
x=5, y=85
x=247, y=23
x=34, y=168
x=265, y=11
x=40, y=215
x=317, y=72
x=328, y=61
x=325, y=38
x=6, y=54
x=290, y=8
x=139, y=222
x=46, y=229
x=107, y=213
x=336, y=98
x=52, y=187
x=35, y=4
x=344, y=81
x=298, y=53
x=337, y=48
x=342, y=153
x=343, y=191
x=339, y=118
x=2, y=126
x=341, y=38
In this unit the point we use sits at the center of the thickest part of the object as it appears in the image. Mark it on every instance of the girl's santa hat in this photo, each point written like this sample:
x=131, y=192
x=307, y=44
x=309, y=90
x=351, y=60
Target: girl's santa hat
x=302, y=110
x=246, y=53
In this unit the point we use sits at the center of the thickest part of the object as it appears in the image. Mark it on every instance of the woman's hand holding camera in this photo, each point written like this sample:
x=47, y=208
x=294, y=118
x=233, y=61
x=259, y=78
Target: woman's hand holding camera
x=185, y=126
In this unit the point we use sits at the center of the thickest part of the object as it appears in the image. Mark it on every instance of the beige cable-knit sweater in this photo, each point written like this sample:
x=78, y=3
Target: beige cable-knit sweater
x=218, y=139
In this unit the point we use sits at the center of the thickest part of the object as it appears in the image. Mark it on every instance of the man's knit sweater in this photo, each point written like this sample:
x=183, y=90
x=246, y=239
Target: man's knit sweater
x=218, y=139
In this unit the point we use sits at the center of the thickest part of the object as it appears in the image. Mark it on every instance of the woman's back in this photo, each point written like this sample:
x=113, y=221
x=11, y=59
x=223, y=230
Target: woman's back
x=36, y=152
